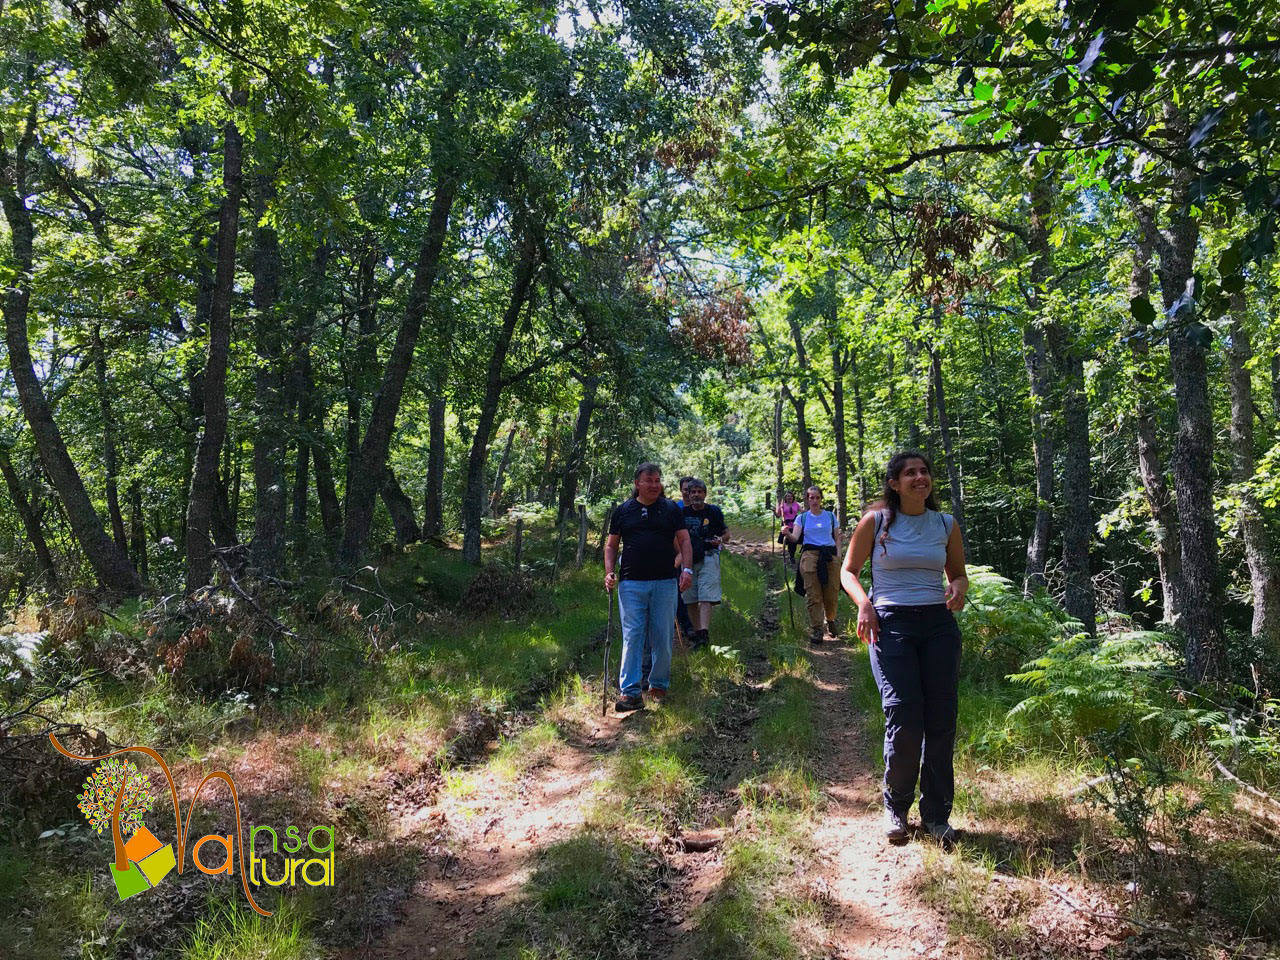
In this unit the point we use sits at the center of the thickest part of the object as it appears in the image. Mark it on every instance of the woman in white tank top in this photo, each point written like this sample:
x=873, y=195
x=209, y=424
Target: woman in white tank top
x=914, y=642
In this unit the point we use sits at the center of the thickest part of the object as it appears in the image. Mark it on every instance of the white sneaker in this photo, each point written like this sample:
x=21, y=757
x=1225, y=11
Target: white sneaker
x=896, y=828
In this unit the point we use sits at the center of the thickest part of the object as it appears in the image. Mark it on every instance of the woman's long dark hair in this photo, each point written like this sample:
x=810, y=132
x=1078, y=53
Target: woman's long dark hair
x=890, y=495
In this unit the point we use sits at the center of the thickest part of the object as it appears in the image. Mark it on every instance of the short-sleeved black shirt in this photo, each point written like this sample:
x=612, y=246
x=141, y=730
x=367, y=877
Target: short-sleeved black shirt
x=648, y=534
x=709, y=521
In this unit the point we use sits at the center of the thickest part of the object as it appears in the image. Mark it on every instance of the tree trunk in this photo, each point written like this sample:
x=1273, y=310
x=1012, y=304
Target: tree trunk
x=359, y=369
x=327, y=493
x=301, y=486
x=109, y=460
x=1077, y=510
x=495, y=497
x=473, y=493
x=802, y=436
x=1193, y=446
x=137, y=529
x=859, y=427
x=433, y=508
x=1038, y=377
x=386, y=405
x=204, y=476
x=549, y=452
x=269, y=437
x=777, y=447
x=1264, y=573
x=944, y=425
x=110, y=564
x=838, y=364
x=799, y=400
x=578, y=446
x=30, y=522
x=1275, y=389
x=401, y=509
x=1150, y=462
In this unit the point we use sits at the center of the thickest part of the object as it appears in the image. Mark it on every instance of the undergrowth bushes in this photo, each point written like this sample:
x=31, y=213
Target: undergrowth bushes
x=1086, y=697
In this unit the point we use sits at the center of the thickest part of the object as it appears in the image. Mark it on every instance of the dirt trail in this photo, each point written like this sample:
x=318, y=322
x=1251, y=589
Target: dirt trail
x=871, y=909
x=481, y=844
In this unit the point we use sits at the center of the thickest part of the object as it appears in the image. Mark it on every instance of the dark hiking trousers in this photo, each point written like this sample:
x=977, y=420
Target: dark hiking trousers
x=916, y=663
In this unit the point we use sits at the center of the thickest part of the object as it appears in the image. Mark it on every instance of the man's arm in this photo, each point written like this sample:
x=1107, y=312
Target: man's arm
x=610, y=560
x=686, y=559
x=721, y=533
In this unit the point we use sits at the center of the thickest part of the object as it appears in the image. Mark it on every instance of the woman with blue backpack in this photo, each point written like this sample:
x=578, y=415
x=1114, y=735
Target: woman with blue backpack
x=818, y=535
x=908, y=622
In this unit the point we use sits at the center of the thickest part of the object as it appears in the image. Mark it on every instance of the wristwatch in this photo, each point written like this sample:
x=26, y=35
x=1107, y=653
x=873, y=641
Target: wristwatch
x=688, y=570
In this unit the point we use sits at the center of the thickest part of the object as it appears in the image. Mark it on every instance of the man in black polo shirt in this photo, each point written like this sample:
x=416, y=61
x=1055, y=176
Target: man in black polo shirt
x=650, y=528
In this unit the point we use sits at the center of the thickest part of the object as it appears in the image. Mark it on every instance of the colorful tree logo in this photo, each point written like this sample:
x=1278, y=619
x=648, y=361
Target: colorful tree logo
x=117, y=795
x=103, y=786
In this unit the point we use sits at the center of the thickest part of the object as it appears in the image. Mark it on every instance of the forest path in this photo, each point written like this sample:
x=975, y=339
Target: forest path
x=481, y=839
x=481, y=836
x=865, y=885
x=871, y=910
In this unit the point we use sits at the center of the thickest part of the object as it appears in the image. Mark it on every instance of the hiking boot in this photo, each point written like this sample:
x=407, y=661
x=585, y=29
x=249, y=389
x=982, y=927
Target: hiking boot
x=656, y=693
x=697, y=640
x=833, y=628
x=943, y=833
x=628, y=704
x=815, y=635
x=896, y=829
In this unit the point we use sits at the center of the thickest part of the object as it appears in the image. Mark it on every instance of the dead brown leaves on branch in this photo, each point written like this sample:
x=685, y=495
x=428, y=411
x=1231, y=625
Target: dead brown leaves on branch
x=945, y=239
x=686, y=154
x=718, y=328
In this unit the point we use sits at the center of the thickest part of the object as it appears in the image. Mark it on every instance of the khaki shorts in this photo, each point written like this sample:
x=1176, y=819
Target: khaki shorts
x=706, y=581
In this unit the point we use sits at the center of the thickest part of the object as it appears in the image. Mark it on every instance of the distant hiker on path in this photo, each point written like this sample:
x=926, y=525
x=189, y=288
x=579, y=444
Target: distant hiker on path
x=647, y=525
x=788, y=509
x=707, y=534
x=816, y=531
x=914, y=639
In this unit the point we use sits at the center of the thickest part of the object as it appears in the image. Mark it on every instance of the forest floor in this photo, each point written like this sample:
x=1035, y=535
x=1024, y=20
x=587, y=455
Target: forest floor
x=740, y=818
x=495, y=883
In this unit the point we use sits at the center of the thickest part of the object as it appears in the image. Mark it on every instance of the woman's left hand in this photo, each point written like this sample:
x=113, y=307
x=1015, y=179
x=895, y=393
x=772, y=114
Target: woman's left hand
x=954, y=595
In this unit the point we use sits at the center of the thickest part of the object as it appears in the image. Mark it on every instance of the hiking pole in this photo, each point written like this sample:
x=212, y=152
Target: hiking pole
x=608, y=641
x=785, y=575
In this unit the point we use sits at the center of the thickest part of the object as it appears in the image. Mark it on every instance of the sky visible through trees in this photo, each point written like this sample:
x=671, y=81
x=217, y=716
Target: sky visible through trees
x=286, y=281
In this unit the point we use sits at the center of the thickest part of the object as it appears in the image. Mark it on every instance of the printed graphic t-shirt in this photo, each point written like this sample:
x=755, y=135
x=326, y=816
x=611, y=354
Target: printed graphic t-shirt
x=648, y=534
x=709, y=522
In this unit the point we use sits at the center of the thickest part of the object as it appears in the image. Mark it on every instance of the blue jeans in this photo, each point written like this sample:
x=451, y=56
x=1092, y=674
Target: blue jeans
x=648, y=609
x=916, y=663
